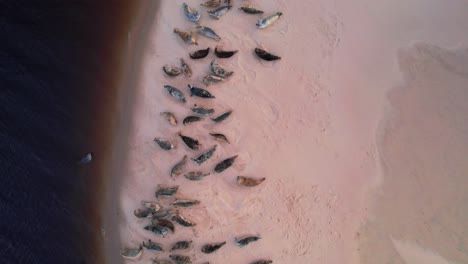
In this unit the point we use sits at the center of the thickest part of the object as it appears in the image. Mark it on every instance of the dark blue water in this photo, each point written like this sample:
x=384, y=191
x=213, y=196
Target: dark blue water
x=56, y=80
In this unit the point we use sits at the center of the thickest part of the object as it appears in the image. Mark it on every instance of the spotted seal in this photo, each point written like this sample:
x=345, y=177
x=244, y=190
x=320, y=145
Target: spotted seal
x=180, y=259
x=190, y=142
x=218, y=12
x=166, y=191
x=132, y=253
x=195, y=175
x=262, y=261
x=212, y=3
x=176, y=93
x=191, y=13
x=178, y=168
x=181, y=245
x=186, y=68
x=191, y=119
x=222, y=116
x=187, y=37
x=208, y=32
x=223, y=165
x=199, y=54
x=205, y=156
x=172, y=71
x=218, y=70
x=210, y=248
x=195, y=91
x=201, y=110
x=152, y=246
x=249, y=182
x=268, y=20
x=164, y=144
x=170, y=117
x=245, y=240
x=264, y=55
x=250, y=9
x=185, y=202
x=220, y=137
x=211, y=79
x=181, y=220
x=223, y=54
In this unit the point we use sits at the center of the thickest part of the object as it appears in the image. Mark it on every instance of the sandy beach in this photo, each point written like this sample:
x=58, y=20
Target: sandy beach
x=359, y=130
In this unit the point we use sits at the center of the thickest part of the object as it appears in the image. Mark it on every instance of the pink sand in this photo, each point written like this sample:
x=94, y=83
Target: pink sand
x=310, y=123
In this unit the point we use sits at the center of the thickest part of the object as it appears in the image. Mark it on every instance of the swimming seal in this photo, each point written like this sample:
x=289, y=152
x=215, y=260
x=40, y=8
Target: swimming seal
x=170, y=117
x=220, y=137
x=178, y=168
x=222, y=116
x=268, y=20
x=191, y=13
x=244, y=241
x=190, y=142
x=210, y=248
x=166, y=191
x=187, y=37
x=199, y=92
x=205, y=156
x=172, y=71
x=208, y=32
x=164, y=144
x=176, y=93
x=249, y=182
x=152, y=246
x=223, y=54
x=264, y=55
x=199, y=54
x=223, y=165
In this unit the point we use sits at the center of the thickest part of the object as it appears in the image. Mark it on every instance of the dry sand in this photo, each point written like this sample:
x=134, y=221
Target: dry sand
x=315, y=124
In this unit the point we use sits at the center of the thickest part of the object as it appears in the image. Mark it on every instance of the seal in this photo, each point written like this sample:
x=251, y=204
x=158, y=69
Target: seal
x=152, y=246
x=199, y=54
x=185, y=202
x=199, y=92
x=161, y=261
x=86, y=158
x=145, y=213
x=153, y=206
x=158, y=230
x=170, y=117
x=212, y=3
x=176, y=93
x=178, y=168
x=220, y=137
x=219, y=71
x=195, y=175
x=205, y=156
x=222, y=116
x=208, y=32
x=190, y=142
x=191, y=119
x=181, y=245
x=223, y=54
x=187, y=37
x=218, y=12
x=262, y=261
x=264, y=55
x=166, y=191
x=172, y=71
x=185, y=68
x=223, y=165
x=250, y=9
x=181, y=220
x=161, y=214
x=164, y=223
x=179, y=259
x=210, y=248
x=249, y=182
x=210, y=79
x=191, y=13
x=268, y=20
x=244, y=241
x=132, y=253
x=164, y=144
x=202, y=110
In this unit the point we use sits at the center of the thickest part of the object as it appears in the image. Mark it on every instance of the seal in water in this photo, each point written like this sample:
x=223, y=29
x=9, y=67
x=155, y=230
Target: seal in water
x=262, y=54
x=170, y=117
x=218, y=71
x=178, y=168
x=218, y=12
x=132, y=253
x=223, y=54
x=244, y=241
x=179, y=259
x=190, y=142
x=199, y=92
x=152, y=246
x=222, y=116
x=220, y=137
x=161, y=214
x=158, y=230
x=181, y=220
x=250, y=9
x=210, y=248
x=172, y=71
x=176, y=93
x=180, y=245
x=161, y=261
x=262, y=261
x=164, y=144
x=185, y=202
x=212, y=3
x=166, y=191
x=146, y=213
x=268, y=20
x=192, y=14
x=187, y=37
x=210, y=79
x=249, y=182
x=199, y=54
x=153, y=206
x=202, y=110
x=205, y=156
x=185, y=68
x=208, y=32
x=164, y=223
x=191, y=119
x=196, y=175
x=221, y=166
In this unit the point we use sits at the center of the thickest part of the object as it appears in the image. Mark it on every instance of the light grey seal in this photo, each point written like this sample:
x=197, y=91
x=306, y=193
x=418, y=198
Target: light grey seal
x=176, y=93
x=268, y=20
x=132, y=253
x=191, y=13
x=218, y=12
x=219, y=71
x=208, y=32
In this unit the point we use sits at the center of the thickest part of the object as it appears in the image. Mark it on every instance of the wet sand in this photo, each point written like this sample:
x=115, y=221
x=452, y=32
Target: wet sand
x=311, y=123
